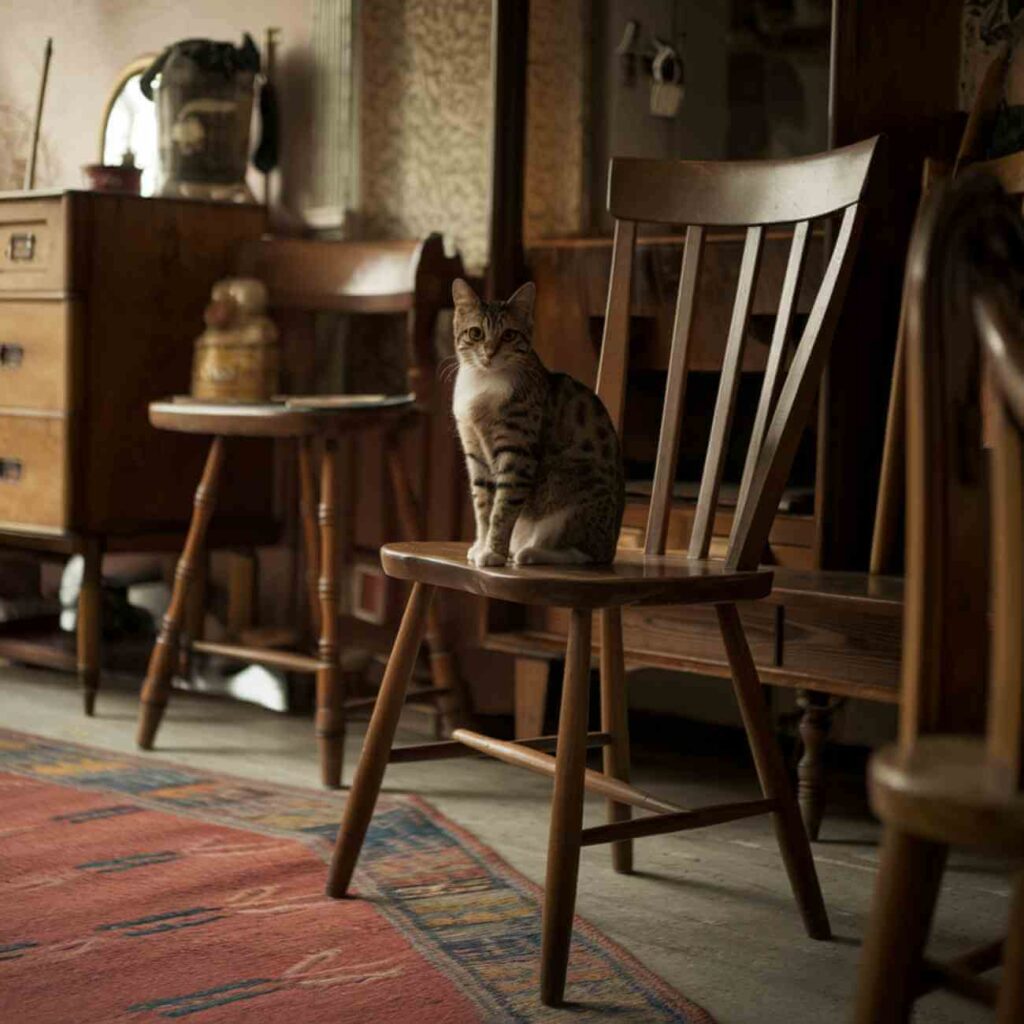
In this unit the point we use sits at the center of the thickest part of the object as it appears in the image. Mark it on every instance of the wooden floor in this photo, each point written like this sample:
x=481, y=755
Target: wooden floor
x=709, y=910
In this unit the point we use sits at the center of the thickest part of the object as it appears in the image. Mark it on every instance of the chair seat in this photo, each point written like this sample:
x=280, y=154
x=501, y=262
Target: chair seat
x=278, y=419
x=947, y=790
x=633, y=578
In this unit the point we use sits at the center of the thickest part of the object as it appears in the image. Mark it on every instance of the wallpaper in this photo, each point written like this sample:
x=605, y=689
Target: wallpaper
x=556, y=113
x=15, y=142
x=986, y=25
x=94, y=39
x=426, y=121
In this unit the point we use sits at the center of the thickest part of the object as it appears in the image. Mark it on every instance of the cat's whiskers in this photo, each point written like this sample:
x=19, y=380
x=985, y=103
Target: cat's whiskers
x=447, y=369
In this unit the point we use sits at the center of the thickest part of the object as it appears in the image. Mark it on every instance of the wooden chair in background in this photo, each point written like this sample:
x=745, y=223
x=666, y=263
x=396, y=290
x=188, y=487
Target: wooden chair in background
x=956, y=787
x=886, y=547
x=412, y=279
x=751, y=195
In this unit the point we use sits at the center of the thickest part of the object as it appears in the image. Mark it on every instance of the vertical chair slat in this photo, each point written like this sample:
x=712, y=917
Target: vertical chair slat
x=998, y=326
x=754, y=517
x=1006, y=697
x=675, y=394
x=725, y=406
x=774, y=375
x=611, y=371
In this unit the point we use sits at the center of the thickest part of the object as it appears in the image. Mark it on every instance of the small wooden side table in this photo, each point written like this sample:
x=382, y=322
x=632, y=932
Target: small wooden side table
x=310, y=427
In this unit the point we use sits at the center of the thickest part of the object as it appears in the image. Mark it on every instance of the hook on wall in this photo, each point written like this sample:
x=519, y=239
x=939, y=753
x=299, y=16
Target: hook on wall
x=660, y=60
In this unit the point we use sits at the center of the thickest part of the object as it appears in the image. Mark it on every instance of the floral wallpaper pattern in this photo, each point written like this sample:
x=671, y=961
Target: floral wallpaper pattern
x=426, y=121
x=986, y=24
x=15, y=140
x=556, y=106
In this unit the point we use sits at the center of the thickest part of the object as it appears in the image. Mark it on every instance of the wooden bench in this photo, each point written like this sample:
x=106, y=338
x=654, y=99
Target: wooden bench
x=829, y=635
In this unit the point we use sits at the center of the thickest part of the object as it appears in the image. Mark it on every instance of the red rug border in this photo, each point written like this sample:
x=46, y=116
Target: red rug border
x=671, y=995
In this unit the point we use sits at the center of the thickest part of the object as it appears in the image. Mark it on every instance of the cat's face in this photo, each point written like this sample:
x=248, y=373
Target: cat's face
x=493, y=336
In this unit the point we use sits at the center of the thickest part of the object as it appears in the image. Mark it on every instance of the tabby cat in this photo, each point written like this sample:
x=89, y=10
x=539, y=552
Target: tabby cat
x=542, y=455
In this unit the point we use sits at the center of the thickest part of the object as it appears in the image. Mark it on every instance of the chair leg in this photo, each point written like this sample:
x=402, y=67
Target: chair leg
x=566, y=813
x=377, y=744
x=906, y=889
x=330, y=701
x=243, y=592
x=89, y=627
x=453, y=703
x=157, y=686
x=531, y=676
x=1010, y=1005
x=615, y=721
x=789, y=828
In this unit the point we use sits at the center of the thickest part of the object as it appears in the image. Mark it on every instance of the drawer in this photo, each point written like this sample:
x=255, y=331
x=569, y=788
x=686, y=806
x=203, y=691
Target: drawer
x=34, y=354
x=33, y=471
x=32, y=245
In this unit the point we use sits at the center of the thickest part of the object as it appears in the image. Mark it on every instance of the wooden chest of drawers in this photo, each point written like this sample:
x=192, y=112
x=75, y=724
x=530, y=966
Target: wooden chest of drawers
x=101, y=297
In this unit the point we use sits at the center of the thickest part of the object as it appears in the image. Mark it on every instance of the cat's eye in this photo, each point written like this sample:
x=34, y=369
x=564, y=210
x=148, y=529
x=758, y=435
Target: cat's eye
x=475, y=333
x=509, y=335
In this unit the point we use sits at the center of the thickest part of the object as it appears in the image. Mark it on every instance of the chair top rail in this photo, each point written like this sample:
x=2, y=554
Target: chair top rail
x=740, y=193
x=316, y=274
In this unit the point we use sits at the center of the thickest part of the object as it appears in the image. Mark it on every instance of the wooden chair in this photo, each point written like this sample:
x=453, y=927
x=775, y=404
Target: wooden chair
x=752, y=195
x=412, y=279
x=886, y=550
x=965, y=270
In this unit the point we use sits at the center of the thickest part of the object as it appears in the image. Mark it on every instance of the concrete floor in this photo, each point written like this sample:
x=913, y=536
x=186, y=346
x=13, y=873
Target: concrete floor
x=709, y=910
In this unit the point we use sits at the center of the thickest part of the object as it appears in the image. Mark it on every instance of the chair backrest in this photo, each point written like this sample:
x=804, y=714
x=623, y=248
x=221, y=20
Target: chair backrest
x=886, y=549
x=754, y=195
x=411, y=277
x=965, y=269
x=988, y=101
x=348, y=277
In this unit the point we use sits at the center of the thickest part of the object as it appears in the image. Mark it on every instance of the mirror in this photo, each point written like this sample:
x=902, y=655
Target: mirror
x=129, y=124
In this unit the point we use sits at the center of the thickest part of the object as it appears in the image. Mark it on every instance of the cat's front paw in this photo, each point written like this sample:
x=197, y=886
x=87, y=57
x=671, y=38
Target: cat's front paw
x=475, y=552
x=487, y=557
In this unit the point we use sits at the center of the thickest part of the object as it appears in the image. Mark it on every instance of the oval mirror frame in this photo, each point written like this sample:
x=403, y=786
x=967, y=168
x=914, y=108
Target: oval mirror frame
x=129, y=71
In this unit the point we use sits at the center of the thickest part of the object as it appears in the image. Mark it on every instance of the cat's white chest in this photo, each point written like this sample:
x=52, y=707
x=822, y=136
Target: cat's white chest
x=478, y=390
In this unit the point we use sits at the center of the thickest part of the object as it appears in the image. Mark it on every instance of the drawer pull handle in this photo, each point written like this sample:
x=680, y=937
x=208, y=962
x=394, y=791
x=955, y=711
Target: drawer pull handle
x=11, y=356
x=10, y=471
x=21, y=247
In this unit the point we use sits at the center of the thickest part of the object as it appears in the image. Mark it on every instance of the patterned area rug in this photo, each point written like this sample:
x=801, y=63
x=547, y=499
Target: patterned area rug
x=136, y=890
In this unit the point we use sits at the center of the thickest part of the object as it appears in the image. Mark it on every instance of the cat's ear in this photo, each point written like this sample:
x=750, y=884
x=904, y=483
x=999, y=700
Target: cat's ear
x=463, y=295
x=522, y=300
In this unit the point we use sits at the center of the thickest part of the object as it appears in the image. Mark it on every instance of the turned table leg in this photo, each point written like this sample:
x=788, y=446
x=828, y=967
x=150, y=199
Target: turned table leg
x=815, y=726
x=310, y=539
x=330, y=710
x=195, y=611
x=89, y=627
x=157, y=686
